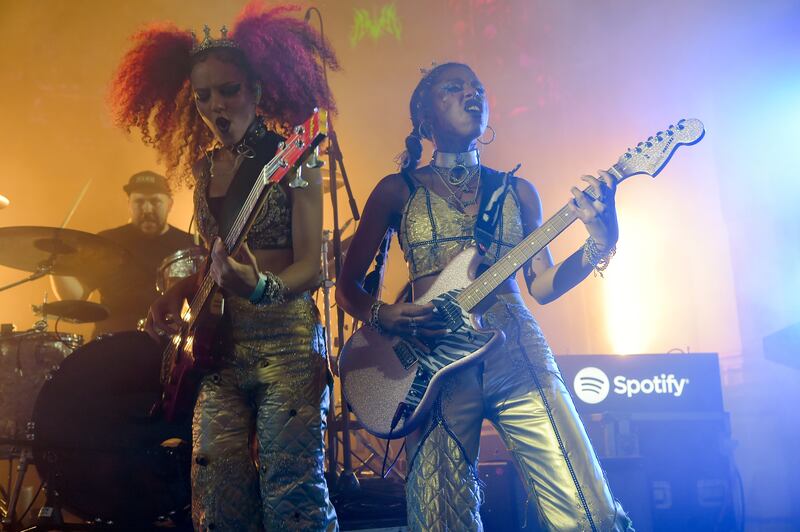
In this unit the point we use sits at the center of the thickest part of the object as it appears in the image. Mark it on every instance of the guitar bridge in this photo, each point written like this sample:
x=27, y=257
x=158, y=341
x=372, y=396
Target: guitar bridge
x=405, y=354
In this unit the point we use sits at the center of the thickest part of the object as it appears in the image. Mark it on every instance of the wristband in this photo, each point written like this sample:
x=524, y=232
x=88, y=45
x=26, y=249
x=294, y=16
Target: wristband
x=258, y=291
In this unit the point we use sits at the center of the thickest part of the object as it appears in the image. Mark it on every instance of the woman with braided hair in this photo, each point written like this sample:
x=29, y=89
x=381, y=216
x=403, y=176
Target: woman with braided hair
x=212, y=109
x=518, y=386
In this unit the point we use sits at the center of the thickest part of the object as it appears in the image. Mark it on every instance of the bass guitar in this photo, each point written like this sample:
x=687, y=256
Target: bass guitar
x=189, y=354
x=390, y=383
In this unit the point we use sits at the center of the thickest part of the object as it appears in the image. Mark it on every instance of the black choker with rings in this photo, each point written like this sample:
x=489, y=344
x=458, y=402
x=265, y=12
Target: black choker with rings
x=255, y=132
x=242, y=149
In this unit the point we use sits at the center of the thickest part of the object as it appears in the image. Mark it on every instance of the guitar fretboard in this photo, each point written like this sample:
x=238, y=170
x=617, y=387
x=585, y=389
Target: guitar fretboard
x=512, y=261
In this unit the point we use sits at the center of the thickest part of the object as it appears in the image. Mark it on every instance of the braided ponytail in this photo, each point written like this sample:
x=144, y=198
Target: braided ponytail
x=409, y=159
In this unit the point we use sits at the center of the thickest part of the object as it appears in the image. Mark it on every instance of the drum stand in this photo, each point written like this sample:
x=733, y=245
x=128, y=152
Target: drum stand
x=13, y=497
x=49, y=516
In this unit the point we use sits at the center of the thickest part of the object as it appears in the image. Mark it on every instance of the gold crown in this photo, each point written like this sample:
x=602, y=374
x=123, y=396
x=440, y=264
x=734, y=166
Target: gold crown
x=208, y=42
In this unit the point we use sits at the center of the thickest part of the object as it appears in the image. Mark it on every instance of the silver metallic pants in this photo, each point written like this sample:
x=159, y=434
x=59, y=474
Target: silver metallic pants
x=520, y=390
x=271, y=394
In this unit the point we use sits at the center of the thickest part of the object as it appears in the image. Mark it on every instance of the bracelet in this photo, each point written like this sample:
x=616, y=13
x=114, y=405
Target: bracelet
x=374, y=313
x=258, y=291
x=596, y=258
x=269, y=290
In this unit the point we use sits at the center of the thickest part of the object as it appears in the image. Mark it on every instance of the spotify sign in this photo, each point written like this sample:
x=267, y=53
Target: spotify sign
x=643, y=382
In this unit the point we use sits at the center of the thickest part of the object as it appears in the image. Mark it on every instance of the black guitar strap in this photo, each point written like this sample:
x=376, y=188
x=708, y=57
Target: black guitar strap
x=494, y=187
x=264, y=148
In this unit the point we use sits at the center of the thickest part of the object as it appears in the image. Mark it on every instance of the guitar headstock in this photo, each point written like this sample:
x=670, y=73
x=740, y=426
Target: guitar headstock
x=304, y=139
x=313, y=130
x=650, y=156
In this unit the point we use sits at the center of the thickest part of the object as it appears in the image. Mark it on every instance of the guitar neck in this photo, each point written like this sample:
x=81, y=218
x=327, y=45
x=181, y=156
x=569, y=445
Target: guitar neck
x=512, y=261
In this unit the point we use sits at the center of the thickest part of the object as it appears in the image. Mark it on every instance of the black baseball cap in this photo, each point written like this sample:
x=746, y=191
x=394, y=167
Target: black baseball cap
x=147, y=182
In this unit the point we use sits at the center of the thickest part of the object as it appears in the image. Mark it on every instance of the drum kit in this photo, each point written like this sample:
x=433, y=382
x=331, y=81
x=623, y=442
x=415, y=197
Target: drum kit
x=81, y=414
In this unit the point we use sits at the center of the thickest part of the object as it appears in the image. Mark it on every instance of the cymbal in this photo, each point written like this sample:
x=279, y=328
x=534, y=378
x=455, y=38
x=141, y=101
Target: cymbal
x=60, y=251
x=4, y=202
x=73, y=311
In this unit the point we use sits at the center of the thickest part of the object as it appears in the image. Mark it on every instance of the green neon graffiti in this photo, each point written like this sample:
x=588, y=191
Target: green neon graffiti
x=365, y=25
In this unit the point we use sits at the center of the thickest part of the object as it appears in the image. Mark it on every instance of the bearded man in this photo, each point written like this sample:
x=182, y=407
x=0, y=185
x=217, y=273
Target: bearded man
x=128, y=292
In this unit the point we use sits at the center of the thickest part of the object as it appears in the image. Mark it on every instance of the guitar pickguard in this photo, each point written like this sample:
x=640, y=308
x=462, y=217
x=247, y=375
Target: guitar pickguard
x=463, y=340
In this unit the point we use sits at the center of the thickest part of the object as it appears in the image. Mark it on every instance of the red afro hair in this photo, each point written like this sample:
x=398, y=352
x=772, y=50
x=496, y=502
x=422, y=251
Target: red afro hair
x=151, y=92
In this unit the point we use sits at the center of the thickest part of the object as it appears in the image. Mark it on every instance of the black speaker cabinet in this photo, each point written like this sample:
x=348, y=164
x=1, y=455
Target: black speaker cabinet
x=684, y=468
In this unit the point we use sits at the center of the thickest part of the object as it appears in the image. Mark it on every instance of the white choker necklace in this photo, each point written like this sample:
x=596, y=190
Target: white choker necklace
x=461, y=167
x=451, y=160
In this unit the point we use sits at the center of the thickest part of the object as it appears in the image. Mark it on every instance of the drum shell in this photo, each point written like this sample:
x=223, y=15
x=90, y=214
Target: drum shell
x=26, y=360
x=179, y=265
x=96, y=442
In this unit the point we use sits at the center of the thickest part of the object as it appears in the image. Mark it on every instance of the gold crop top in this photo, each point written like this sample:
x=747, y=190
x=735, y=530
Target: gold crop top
x=272, y=229
x=432, y=232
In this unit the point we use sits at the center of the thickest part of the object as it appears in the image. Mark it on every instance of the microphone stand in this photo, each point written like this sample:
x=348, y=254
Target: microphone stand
x=347, y=480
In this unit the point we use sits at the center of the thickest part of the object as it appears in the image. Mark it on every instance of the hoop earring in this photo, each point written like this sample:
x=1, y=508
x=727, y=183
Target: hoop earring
x=421, y=132
x=491, y=139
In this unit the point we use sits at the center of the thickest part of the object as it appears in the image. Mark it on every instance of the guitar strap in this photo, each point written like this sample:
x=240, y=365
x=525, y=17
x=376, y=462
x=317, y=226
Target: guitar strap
x=265, y=148
x=495, y=186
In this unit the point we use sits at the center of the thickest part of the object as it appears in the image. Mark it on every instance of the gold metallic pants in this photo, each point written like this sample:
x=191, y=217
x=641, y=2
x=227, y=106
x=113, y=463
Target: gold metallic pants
x=273, y=384
x=520, y=390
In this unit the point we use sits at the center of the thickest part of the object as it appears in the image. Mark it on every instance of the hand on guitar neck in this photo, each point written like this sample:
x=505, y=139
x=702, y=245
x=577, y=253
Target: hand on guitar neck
x=597, y=211
x=238, y=273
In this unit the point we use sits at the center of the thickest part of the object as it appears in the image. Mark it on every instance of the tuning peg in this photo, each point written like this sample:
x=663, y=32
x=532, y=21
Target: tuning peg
x=313, y=160
x=298, y=181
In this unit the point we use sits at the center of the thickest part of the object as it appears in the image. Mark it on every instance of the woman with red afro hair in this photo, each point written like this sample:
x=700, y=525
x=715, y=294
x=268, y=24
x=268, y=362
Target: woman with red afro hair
x=213, y=109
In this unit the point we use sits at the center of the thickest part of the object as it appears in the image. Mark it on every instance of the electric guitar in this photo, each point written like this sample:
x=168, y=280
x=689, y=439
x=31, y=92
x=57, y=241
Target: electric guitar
x=189, y=354
x=391, y=383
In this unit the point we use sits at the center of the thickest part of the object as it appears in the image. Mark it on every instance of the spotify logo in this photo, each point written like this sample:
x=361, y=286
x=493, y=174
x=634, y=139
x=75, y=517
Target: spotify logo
x=591, y=385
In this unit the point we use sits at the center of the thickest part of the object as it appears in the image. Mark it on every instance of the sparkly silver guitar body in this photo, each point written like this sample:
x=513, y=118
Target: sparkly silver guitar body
x=379, y=372
x=390, y=382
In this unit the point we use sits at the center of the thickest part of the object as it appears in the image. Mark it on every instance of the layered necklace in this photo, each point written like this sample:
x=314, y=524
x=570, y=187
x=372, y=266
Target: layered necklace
x=457, y=172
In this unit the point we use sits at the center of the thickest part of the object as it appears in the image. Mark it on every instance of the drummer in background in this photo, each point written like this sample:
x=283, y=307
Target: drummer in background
x=128, y=292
